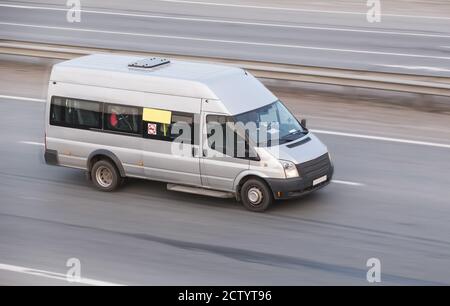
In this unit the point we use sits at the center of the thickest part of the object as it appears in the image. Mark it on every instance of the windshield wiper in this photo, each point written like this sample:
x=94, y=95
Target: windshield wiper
x=303, y=132
x=285, y=138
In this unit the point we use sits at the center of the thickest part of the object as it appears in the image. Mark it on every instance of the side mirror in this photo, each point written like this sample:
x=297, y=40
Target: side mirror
x=303, y=122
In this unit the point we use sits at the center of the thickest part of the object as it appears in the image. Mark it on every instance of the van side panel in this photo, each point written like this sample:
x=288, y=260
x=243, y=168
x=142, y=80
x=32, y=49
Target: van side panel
x=74, y=146
x=164, y=165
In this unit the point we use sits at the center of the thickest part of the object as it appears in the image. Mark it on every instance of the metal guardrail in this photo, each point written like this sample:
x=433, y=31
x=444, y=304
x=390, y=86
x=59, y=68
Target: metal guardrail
x=363, y=79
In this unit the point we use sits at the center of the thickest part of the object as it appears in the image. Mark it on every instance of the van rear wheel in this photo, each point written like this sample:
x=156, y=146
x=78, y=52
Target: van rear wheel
x=105, y=176
x=256, y=195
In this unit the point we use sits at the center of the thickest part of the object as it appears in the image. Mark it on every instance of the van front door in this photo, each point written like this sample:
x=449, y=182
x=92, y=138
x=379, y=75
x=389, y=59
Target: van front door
x=218, y=165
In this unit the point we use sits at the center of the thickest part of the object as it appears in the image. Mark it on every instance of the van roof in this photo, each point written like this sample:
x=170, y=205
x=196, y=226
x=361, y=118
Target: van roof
x=236, y=89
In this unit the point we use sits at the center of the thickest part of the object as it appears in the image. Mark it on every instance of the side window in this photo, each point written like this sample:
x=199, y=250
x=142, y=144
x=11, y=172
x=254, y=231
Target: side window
x=149, y=123
x=86, y=114
x=216, y=129
x=221, y=135
x=180, y=128
x=223, y=138
x=61, y=112
x=75, y=113
x=124, y=119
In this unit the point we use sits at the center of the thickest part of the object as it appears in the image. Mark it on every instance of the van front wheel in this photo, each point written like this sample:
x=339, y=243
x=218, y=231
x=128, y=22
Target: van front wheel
x=105, y=176
x=256, y=195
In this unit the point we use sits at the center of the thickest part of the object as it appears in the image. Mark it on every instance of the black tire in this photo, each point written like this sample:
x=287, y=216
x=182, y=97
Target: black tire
x=256, y=195
x=105, y=176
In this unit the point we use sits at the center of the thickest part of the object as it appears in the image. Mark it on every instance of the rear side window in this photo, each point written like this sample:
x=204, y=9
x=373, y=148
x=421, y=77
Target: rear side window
x=75, y=113
x=61, y=112
x=123, y=119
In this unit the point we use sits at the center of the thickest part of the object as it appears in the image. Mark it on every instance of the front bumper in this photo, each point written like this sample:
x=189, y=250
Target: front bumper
x=298, y=186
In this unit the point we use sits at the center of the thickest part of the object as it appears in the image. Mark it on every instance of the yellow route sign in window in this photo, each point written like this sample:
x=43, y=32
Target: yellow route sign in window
x=157, y=115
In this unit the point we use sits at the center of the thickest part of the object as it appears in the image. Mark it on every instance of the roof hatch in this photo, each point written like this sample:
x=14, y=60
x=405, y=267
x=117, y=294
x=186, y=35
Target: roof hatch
x=149, y=63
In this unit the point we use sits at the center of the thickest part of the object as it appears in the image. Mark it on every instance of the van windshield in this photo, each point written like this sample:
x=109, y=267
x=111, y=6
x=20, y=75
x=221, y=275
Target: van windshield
x=272, y=124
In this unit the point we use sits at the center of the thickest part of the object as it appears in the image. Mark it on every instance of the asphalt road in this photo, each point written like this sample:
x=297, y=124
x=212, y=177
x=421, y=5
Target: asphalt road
x=398, y=211
x=412, y=37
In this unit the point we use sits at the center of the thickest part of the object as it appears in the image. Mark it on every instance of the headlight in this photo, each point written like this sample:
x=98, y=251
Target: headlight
x=290, y=170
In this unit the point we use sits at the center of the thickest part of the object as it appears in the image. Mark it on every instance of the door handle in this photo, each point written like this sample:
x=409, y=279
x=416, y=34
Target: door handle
x=194, y=151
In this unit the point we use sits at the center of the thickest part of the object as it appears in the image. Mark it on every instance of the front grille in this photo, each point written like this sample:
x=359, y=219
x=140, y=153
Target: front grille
x=315, y=168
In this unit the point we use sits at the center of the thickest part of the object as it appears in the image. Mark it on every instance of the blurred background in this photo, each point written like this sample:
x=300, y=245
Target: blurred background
x=371, y=80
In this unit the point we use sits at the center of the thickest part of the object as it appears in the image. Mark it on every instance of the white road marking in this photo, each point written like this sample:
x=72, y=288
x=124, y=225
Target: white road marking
x=435, y=69
x=22, y=98
x=398, y=140
x=261, y=44
x=53, y=275
x=231, y=22
x=297, y=9
x=347, y=183
x=33, y=143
